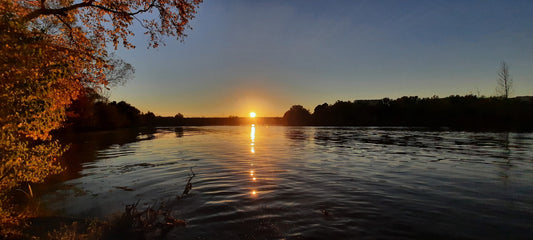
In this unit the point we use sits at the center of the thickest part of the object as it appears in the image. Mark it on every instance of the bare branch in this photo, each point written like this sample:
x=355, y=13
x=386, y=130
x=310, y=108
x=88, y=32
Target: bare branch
x=64, y=10
x=55, y=11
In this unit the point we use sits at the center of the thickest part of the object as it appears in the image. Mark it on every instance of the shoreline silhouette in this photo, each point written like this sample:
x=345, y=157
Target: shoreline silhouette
x=469, y=112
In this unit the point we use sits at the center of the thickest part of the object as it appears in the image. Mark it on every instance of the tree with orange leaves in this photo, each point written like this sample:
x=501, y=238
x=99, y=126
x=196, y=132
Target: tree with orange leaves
x=50, y=51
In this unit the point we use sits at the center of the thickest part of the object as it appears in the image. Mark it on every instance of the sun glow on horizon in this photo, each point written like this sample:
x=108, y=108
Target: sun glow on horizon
x=252, y=114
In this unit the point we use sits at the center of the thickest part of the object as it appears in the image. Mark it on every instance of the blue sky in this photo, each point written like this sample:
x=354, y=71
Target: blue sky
x=266, y=56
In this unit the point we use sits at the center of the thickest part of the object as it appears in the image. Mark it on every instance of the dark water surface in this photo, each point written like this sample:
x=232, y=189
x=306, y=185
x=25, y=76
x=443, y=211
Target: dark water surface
x=259, y=182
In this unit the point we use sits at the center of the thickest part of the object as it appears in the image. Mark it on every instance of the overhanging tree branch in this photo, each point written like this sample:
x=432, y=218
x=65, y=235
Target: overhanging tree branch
x=64, y=10
x=55, y=11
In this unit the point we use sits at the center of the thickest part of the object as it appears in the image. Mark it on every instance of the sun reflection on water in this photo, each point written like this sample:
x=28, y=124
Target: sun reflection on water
x=252, y=150
x=252, y=133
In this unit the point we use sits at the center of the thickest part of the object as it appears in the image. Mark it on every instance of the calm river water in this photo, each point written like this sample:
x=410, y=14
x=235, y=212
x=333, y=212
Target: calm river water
x=260, y=182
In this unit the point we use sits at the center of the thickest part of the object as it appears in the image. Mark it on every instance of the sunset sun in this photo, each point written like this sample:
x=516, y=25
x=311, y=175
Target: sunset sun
x=252, y=114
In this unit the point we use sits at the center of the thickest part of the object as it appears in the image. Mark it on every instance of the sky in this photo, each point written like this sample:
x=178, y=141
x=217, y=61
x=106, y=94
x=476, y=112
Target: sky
x=265, y=56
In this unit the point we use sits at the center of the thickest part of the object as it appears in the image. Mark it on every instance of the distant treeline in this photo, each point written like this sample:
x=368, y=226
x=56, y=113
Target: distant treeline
x=457, y=112
x=93, y=113
x=86, y=114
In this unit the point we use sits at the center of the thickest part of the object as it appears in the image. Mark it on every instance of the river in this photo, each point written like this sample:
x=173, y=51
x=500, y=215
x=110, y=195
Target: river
x=274, y=182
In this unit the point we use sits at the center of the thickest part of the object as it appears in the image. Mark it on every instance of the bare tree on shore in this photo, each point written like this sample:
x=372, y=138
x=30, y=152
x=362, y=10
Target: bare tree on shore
x=505, y=82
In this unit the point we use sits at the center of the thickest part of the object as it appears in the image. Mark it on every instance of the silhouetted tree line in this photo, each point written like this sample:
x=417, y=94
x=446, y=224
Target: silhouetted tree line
x=92, y=112
x=457, y=112
x=230, y=121
x=469, y=112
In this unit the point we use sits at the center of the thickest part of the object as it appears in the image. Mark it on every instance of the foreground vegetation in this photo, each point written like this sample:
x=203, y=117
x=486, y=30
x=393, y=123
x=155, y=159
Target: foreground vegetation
x=51, y=53
x=152, y=222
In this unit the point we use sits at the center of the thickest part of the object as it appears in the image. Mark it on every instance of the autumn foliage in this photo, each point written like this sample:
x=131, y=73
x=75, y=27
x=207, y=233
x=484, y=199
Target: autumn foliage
x=51, y=51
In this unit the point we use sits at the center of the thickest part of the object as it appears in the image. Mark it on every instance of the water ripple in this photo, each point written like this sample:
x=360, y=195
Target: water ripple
x=315, y=182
